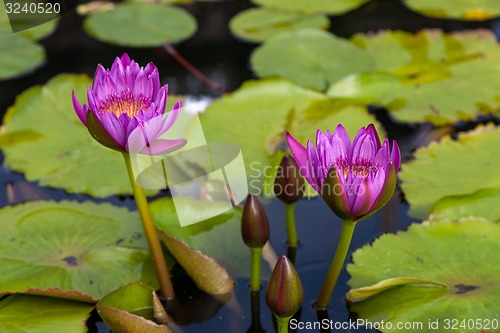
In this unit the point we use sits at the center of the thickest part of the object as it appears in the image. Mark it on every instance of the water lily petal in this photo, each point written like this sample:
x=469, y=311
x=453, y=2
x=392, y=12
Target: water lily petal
x=334, y=193
x=100, y=134
x=299, y=152
x=382, y=156
x=81, y=111
x=364, y=150
x=387, y=190
x=315, y=168
x=372, y=131
x=114, y=127
x=396, y=156
x=361, y=197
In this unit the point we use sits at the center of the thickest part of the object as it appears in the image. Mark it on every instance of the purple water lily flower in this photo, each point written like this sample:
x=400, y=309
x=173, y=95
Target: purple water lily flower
x=355, y=179
x=125, y=109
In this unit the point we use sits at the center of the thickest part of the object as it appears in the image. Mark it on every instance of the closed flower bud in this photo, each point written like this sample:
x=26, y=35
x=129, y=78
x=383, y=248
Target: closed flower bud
x=289, y=183
x=254, y=223
x=284, y=293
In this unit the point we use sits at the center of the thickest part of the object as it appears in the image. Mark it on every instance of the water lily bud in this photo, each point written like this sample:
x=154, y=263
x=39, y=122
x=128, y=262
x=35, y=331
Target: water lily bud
x=254, y=223
x=289, y=183
x=284, y=293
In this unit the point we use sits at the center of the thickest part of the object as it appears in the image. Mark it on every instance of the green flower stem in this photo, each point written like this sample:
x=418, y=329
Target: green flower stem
x=282, y=324
x=336, y=265
x=255, y=272
x=151, y=234
x=290, y=225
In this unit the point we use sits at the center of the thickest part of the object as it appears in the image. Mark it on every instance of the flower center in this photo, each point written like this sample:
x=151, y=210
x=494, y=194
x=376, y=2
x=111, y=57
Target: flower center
x=360, y=168
x=125, y=103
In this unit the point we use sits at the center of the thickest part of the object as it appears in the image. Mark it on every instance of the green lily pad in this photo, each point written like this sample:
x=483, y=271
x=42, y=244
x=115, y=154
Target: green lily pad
x=130, y=309
x=141, y=25
x=418, y=77
x=460, y=255
x=38, y=314
x=482, y=203
x=267, y=109
x=43, y=138
x=18, y=55
x=218, y=237
x=477, y=10
x=259, y=24
x=313, y=6
x=71, y=250
x=452, y=168
x=311, y=58
x=38, y=32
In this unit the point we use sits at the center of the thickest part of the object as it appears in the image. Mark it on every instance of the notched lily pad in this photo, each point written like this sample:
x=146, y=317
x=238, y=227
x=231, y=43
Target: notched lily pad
x=427, y=77
x=267, y=109
x=43, y=138
x=130, y=309
x=36, y=314
x=453, y=168
x=459, y=255
x=141, y=25
x=477, y=10
x=259, y=24
x=18, y=55
x=71, y=250
x=311, y=58
x=313, y=6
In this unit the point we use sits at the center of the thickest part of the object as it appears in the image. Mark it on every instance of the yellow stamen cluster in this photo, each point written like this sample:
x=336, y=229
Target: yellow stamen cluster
x=125, y=103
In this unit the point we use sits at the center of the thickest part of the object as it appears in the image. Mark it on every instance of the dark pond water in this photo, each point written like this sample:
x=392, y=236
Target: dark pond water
x=224, y=59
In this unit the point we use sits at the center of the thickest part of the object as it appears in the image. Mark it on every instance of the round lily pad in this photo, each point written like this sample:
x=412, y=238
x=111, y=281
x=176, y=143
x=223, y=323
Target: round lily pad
x=18, y=55
x=38, y=314
x=141, y=25
x=313, y=6
x=446, y=270
x=482, y=203
x=419, y=77
x=72, y=250
x=477, y=10
x=43, y=138
x=312, y=58
x=259, y=24
x=452, y=168
x=267, y=109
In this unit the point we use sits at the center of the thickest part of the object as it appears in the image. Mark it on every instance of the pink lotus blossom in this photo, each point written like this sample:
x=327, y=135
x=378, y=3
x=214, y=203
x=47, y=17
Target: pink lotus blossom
x=355, y=179
x=125, y=109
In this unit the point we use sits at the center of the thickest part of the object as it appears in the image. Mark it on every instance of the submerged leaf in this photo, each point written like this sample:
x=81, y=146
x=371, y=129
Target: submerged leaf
x=452, y=168
x=71, y=250
x=141, y=25
x=460, y=255
x=38, y=314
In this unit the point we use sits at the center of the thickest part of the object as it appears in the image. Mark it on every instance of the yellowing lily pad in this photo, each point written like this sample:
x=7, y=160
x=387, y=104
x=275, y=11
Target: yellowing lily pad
x=311, y=58
x=38, y=314
x=477, y=10
x=427, y=77
x=447, y=272
x=313, y=6
x=218, y=237
x=141, y=25
x=266, y=110
x=453, y=168
x=259, y=24
x=43, y=138
x=71, y=250
x=130, y=309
